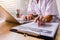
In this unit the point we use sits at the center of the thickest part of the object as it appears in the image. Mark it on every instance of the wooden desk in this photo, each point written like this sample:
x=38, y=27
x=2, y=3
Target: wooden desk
x=5, y=34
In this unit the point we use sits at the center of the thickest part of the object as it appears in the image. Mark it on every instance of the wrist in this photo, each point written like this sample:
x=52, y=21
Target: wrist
x=48, y=18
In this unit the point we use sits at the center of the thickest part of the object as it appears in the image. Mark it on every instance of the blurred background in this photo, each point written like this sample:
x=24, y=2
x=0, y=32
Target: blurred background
x=12, y=5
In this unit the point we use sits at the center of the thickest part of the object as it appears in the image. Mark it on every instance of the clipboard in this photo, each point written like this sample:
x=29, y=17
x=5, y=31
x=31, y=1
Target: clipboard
x=47, y=32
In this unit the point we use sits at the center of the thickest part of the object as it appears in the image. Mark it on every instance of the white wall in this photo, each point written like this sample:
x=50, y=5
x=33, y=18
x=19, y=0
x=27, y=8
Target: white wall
x=12, y=5
x=9, y=5
x=24, y=6
x=58, y=5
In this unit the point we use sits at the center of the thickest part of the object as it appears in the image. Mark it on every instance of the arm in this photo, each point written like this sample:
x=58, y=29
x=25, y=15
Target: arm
x=29, y=11
x=50, y=10
x=48, y=18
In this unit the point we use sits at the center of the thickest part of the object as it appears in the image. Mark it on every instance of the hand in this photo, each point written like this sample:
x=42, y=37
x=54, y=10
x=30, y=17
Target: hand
x=20, y=15
x=39, y=20
x=48, y=18
x=24, y=17
x=28, y=17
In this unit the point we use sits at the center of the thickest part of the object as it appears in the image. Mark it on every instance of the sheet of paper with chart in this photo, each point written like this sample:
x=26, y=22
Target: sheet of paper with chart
x=48, y=29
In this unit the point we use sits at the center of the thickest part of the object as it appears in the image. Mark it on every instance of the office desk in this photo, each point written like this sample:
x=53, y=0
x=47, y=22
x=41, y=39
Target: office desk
x=5, y=34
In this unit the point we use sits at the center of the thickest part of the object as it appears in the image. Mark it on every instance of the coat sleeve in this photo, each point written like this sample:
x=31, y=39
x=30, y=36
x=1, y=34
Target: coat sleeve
x=29, y=9
x=51, y=8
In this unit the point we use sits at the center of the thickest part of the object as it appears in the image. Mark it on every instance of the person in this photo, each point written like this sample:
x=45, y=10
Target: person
x=45, y=9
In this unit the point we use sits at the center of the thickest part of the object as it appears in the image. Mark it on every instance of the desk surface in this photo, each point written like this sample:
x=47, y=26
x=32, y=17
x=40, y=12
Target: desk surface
x=5, y=34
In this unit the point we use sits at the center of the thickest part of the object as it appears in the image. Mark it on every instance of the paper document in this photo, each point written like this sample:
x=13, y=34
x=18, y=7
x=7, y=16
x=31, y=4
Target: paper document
x=48, y=29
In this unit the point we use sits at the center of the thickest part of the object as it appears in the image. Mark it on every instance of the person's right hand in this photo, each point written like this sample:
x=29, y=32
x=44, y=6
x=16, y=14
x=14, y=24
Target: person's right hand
x=39, y=20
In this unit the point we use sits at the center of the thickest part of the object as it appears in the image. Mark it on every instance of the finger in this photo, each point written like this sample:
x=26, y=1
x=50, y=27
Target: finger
x=24, y=18
x=30, y=17
x=40, y=17
x=43, y=20
x=38, y=23
x=27, y=17
x=36, y=19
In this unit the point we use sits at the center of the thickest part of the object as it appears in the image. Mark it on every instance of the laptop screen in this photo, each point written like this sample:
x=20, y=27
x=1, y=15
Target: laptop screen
x=7, y=16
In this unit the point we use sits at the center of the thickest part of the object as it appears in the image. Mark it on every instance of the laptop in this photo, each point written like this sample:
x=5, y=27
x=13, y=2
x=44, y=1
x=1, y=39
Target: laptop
x=7, y=16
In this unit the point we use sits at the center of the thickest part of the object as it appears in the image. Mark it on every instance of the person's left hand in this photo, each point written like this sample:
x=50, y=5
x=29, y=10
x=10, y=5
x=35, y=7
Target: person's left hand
x=30, y=16
x=27, y=17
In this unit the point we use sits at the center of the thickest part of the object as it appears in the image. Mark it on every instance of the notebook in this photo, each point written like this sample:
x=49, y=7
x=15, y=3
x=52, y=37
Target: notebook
x=47, y=30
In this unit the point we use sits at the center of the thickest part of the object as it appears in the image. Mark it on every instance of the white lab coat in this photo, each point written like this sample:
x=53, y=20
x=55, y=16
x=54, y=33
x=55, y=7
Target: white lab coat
x=44, y=7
